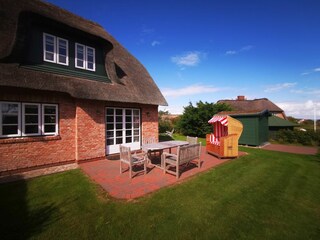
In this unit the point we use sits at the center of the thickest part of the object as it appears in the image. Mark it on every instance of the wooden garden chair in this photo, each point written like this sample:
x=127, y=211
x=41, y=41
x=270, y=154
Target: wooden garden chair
x=132, y=160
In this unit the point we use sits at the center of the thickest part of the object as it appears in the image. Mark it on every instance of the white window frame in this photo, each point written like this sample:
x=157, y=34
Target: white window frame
x=85, y=57
x=134, y=145
x=94, y=59
x=56, y=53
x=23, y=120
x=67, y=51
x=19, y=120
x=54, y=48
x=43, y=120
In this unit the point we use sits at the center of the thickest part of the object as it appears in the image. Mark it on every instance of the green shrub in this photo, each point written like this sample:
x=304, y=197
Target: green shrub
x=194, y=120
x=308, y=138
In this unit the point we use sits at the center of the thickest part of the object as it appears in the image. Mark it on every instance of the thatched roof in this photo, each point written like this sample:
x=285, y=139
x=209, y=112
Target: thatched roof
x=256, y=105
x=130, y=81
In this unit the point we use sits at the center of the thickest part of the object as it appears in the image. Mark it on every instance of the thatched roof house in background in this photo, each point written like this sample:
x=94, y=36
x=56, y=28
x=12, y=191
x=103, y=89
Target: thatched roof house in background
x=258, y=105
x=261, y=119
x=69, y=91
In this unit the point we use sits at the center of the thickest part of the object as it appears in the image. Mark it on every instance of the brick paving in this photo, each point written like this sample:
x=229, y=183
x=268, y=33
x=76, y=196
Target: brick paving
x=107, y=174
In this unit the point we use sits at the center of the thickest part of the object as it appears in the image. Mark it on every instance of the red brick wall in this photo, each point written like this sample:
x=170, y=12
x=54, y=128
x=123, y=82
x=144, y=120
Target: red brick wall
x=81, y=131
x=90, y=136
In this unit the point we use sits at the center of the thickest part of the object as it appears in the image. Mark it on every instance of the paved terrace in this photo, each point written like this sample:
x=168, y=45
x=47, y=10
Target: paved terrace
x=107, y=174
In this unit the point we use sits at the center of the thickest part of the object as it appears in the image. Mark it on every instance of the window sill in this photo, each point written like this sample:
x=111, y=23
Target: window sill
x=29, y=139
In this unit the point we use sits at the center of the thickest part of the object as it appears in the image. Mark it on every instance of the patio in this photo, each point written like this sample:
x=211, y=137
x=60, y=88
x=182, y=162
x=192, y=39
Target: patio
x=106, y=173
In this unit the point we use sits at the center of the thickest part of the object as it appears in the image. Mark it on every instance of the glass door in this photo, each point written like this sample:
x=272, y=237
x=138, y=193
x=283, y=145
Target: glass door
x=122, y=127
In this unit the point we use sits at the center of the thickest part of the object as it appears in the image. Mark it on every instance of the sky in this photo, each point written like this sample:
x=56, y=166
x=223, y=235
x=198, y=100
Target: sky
x=208, y=50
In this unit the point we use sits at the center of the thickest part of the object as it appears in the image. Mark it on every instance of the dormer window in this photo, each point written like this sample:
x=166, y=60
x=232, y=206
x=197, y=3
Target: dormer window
x=55, y=49
x=85, y=57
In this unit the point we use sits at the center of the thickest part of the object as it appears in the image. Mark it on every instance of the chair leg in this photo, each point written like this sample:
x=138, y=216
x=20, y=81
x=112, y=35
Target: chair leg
x=120, y=167
x=177, y=171
x=130, y=171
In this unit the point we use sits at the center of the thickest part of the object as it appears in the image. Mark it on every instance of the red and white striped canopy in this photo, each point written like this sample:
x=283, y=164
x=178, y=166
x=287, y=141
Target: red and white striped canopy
x=222, y=119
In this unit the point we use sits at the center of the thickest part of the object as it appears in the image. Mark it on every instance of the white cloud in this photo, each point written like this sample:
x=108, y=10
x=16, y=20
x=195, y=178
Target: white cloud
x=188, y=90
x=301, y=109
x=189, y=59
x=230, y=52
x=311, y=71
x=307, y=91
x=279, y=87
x=155, y=43
x=243, y=49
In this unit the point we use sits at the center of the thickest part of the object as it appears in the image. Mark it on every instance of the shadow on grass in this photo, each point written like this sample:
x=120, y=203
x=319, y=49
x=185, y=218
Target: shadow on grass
x=17, y=220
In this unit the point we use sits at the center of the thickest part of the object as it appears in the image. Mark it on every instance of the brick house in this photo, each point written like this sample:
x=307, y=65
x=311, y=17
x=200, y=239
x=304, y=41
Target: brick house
x=69, y=91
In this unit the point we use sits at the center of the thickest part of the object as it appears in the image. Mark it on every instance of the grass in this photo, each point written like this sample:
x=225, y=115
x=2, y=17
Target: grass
x=264, y=195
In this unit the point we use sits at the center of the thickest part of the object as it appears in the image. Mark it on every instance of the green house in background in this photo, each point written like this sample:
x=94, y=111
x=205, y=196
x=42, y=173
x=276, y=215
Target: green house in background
x=276, y=124
x=255, y=126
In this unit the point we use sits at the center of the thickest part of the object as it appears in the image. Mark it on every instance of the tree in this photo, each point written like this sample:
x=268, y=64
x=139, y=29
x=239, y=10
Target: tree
x=194, y=121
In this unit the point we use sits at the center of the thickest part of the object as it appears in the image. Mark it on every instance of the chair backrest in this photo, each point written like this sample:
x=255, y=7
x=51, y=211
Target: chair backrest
x=192, y=140
x=125, y=153
x=188, y=152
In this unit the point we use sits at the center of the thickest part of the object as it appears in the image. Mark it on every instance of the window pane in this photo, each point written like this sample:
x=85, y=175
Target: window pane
x=136, y=132
x=118, y=133
x=128, y=139
x=11, y=108
x=62, y=59
x=118, y=140
x=33, y=109
x=119, y=112
x=128, y=125
x=90, y=65
x=128, y=119
x=6, y=130
x=49, y=110
x=110, y=111
x=136, y=125
x=110, y=141
x=50, y=56
x=110, y=134
x=110, y=126
x=136, y=138
x=31, y=119
x=119, y=126
x=119, y=119
x=109, y=119
x=50, y=128
x=50, y=119
x=31, y=129
x=79, y=63
x=128, y=132
x=10, y=119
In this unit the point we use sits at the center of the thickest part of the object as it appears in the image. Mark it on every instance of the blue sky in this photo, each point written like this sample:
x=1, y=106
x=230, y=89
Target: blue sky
x=211, y=50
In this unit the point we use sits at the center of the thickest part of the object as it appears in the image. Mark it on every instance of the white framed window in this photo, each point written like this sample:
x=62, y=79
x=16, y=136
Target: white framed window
x=50, y=119
x=55, y=49
x=122, y=127
x=30, y=119
x=80, y=56
x=10, y=119
x=49, y=48
x=62, y=51
x=85, y=57
x=90, y=59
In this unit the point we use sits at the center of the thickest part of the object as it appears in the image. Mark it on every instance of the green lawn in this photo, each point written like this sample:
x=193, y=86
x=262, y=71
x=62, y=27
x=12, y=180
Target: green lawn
x=264, y=195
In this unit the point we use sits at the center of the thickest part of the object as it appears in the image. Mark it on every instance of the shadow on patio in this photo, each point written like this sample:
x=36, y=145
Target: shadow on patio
x=107, y=174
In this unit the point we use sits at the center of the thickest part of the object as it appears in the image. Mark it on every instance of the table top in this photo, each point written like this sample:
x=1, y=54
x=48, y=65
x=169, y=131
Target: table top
x=163, y=145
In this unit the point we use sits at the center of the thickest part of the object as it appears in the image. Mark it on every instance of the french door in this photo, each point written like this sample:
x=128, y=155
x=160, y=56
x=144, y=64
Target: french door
x=122, y=127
